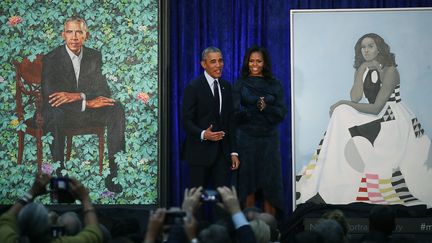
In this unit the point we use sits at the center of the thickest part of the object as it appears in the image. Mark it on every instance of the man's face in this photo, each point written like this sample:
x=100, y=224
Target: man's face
x=74, y=35
x=213, y=64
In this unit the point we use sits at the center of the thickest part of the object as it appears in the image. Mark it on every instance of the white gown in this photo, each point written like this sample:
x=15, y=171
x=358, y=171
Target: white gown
x=379, y=159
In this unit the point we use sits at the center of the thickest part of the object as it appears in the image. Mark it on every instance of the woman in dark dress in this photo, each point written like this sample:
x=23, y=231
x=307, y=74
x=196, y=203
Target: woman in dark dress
x=259, y=108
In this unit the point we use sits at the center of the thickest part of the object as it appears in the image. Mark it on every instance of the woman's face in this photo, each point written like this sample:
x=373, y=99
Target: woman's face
x=256, y=64
x=369, y=49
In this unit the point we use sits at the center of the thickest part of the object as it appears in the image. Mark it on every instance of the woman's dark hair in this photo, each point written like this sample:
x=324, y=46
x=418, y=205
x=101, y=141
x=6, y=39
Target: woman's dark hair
x=266, y=58
x=385, y=57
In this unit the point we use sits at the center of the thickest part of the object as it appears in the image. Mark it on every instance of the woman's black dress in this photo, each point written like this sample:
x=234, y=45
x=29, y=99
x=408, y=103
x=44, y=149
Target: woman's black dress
x=258, y=137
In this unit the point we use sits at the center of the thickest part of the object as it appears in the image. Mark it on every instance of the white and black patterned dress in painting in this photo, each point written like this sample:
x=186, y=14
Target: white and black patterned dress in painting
x=380, y=159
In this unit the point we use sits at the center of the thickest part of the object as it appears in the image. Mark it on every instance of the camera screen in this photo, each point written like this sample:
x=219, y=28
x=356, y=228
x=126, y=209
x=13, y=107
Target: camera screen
x=210, y=196
x=61, y=184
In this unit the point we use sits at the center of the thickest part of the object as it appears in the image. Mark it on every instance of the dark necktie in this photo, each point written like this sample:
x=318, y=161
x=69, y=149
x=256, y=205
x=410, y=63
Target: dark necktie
x=216, y=95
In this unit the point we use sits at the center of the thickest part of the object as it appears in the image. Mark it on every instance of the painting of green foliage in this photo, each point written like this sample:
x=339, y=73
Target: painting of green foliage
x=126, y=32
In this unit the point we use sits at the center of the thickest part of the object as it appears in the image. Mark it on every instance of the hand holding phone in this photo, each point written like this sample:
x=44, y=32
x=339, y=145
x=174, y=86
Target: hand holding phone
x=174, y=217
x=60, y=190
x=209, y=195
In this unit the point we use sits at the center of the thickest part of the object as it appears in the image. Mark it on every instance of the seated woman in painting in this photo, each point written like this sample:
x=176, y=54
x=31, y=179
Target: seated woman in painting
x=374, y=152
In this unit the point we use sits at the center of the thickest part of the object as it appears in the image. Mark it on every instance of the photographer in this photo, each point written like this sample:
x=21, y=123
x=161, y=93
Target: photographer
x=231, y=204
x=31, y=219
x=187, y=231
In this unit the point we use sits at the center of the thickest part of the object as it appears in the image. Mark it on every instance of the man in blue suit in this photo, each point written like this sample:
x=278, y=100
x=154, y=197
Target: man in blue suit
x=76, y=94
x=207, y=105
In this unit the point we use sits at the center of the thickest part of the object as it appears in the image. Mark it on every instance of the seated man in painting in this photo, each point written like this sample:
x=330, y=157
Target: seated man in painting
x=76, y=94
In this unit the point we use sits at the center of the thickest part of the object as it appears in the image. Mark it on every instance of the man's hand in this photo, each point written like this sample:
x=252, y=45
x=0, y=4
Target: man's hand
x=191, y=200
x=38, y=188
x=39, y=185
x=78, y=190
x=59, y=98
x=229, y=199
x=235, y=162
x=99, y=102
x=190, y=226
x=154, y=225
x=213, y=136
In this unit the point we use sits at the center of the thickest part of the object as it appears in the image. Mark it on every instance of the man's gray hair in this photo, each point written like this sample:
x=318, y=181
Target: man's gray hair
x=77, y=19
x=215, y=233
x=261, y=230
x=33, y=220
x=330, y=230
x=71, y=222
x=208, y=50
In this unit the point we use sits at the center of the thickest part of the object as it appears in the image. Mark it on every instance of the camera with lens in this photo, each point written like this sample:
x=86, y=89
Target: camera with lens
x=60, y=190
x=209, y=195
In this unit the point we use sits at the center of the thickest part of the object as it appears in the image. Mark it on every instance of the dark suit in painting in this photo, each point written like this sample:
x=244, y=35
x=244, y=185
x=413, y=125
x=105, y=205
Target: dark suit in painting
x=207, y=158
x=58, y=76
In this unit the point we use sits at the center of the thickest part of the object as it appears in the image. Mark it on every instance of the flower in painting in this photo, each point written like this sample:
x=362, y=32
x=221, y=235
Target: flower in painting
x=14, y=20
x=47, y=168
x=112, y=78
x=130, y=60
x=14, y=122
x=142, y=28
x=144, y=97
x=107, y=194
x=1, y=79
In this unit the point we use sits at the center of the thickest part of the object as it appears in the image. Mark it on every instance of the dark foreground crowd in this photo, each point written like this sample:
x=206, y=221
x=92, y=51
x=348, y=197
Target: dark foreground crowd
x=29, y=221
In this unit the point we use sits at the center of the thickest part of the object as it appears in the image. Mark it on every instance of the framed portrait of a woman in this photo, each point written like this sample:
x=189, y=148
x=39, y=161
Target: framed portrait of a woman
x=361, y=117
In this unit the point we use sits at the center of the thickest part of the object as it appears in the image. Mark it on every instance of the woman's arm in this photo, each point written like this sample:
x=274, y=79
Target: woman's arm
x=275, y=112
x=357, y=88
x=390, y=80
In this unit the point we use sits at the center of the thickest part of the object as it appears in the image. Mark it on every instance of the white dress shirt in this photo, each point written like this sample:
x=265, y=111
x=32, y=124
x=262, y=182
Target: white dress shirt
x=76, y=62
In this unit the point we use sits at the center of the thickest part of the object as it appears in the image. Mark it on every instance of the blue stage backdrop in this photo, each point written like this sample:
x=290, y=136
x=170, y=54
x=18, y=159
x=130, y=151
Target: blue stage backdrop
x=233, y=26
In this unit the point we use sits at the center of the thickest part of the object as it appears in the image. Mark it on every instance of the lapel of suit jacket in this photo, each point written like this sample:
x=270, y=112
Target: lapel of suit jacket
x=85, y=65
x=211, y=100
x=223, y=94
x=207, y=88
x=66, y=62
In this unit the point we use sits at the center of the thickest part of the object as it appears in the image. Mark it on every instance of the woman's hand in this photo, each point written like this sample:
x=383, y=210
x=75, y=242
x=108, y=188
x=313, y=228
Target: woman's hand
x=374, y=65
x=261, y=104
